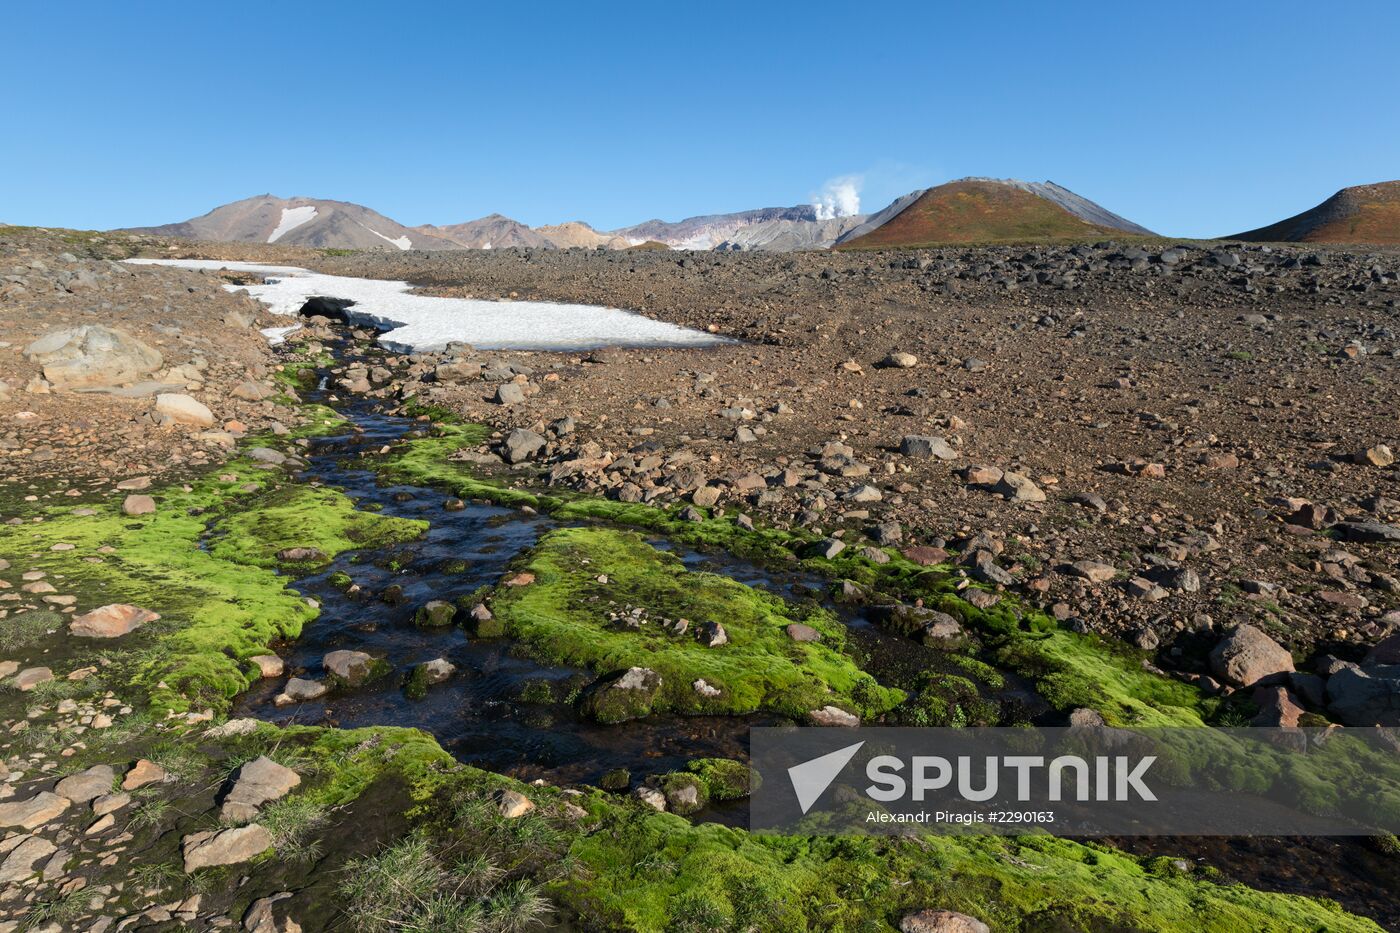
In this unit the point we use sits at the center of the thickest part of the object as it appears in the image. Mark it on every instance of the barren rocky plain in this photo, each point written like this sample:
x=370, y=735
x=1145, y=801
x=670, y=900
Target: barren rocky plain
x=250, y=593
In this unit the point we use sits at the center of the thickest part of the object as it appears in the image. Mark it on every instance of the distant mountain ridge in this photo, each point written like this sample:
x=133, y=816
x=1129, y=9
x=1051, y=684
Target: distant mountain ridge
x=301, y=222
x=1365, y=214
x=917, y=218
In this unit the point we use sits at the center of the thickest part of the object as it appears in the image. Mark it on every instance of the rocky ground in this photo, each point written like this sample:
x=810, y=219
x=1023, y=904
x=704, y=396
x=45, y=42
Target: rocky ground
x=1152, y=442
x=100, y=361
x=1188, y=449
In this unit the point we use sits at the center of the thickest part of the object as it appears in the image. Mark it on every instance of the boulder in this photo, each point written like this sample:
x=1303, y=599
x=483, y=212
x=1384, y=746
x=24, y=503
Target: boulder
x=92, y=355
x=800, y=632
x=510, y=394
x=138, y=505
x=1277, y=708
x=183, y=409
x=624, y=696
x=258, y=782
x=111, y=621
x=521, y=445
x=225, y=847
x=1365, y=696
x=1247, y=656
x=269, y=665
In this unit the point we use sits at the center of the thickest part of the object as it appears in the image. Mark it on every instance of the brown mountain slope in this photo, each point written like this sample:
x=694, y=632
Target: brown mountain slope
x=1362, y=214
x=977, y=212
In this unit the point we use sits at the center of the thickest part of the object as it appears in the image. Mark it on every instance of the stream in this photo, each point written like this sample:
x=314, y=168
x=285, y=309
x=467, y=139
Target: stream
x=479, y=715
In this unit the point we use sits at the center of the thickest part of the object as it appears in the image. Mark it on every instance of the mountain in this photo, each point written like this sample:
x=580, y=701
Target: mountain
x=301, y=222
x=578, y=233
x=708, y=231
x=1362, y=214
x=989, y=210
x=787, y=235
x=494, y=231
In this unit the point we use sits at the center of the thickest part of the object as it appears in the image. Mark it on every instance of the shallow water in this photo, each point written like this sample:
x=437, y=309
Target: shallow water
x=415, y=323
x=479, y=715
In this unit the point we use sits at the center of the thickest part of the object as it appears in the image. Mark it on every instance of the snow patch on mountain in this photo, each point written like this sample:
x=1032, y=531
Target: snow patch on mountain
x=292, y=217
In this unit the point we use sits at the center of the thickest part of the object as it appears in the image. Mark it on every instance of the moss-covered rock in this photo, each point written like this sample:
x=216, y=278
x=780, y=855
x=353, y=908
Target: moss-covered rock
x=437, y=613
x=607, y=600
x=724, y=778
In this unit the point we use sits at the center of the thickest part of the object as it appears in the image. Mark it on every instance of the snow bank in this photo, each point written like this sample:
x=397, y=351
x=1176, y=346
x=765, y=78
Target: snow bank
x=292, y=217
x=421, y=322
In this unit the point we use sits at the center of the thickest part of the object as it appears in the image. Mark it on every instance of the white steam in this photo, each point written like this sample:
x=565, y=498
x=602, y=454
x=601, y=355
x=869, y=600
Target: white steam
x=839, y=197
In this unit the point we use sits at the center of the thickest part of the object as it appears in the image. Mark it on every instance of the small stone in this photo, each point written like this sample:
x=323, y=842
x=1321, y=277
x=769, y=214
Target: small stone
x=921, y=445
x=225, y=847
x=799, y=632
x=183, y=409
x=142, y=773
x=31, y=677
x=1380, y=456
x=87, y=785
x=136, y=504
x=832, y=716
x=1094, y=571
x=1019, y=488
x=259, y=781
x=111, y=621
x=269, y=665
x=33, y=812
x=515, y=804
x=899, y=360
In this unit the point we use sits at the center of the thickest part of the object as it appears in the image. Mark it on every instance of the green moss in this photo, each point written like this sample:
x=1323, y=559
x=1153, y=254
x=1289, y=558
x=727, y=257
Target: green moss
x=714, y=874
x=724, y=778
x=564, y=616
x=298, y=516
x=1069, y=670
x=218, y=606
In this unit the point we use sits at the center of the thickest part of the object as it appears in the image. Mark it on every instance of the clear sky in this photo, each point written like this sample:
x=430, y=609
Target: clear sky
x=1192, y=118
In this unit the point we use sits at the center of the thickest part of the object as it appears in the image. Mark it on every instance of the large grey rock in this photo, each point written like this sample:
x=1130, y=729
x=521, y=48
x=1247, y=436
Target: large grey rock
x=521, y=445
x=1365, y=696
x=225, y=847
x=1247, y=656
x=259, y=781
x=92, y=355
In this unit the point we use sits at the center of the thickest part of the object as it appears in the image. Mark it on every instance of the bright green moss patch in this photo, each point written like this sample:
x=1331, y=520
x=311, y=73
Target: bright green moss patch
x=717, y=878
x=568, y=615
x=218, y=609
x=297, y=516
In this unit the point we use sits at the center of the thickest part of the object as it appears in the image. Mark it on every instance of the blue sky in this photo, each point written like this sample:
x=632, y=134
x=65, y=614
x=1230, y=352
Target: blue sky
x=1194, y=119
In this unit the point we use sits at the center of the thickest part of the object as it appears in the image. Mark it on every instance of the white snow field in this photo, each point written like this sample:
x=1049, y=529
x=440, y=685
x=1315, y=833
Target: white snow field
x=421, y=322
x=292, y=217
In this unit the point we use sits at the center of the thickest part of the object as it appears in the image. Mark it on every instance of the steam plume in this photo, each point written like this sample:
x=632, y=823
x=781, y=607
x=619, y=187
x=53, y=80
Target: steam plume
x=839, y=197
